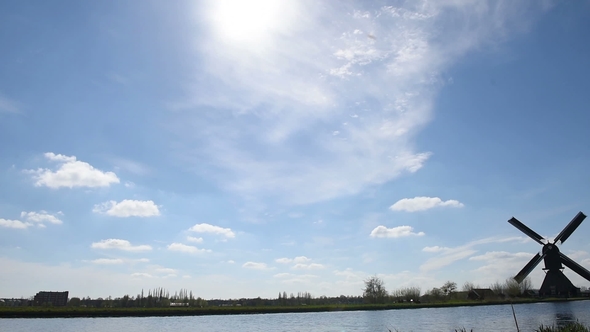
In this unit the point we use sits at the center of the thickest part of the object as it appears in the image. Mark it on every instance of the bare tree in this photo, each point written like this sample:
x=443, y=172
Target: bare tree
x=406, y=294
x=468, y=286
x=526, y=285
x=374, y=291
x=512, y=288
x=497, y=288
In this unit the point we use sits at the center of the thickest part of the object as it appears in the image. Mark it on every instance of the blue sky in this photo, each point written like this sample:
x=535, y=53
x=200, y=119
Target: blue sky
x=244, y=149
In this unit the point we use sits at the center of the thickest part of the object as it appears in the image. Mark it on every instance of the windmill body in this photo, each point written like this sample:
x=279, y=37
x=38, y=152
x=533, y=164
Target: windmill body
x=555, y=282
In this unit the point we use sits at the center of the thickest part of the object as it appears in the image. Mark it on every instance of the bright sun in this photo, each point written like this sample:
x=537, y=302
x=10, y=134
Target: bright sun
x=247, y=21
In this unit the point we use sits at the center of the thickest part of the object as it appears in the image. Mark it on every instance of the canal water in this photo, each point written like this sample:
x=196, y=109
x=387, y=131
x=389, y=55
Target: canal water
x=480, y=318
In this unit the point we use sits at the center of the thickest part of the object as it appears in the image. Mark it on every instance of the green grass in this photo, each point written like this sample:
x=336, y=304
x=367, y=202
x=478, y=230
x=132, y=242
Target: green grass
x=572, y=327
x=48, y=312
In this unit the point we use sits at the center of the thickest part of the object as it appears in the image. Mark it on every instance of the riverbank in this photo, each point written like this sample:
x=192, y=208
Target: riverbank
x=70, y=312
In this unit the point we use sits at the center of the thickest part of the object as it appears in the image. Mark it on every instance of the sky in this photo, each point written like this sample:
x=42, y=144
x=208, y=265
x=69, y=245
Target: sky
x=246, y=148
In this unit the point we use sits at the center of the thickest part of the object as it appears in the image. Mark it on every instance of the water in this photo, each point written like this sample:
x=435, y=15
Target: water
x=482, y=318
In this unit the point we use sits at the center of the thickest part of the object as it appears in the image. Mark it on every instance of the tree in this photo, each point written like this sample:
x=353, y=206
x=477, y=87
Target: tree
x=449, y=288
x=498, y=288
x=526, y=285
x=434, y=294
x=468, y=286
x=512, y=287
x=374, y=291
x=74, y=302
x=406, y=294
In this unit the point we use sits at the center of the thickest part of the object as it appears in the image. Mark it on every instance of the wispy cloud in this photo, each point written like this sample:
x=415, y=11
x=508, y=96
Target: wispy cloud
x=128, y=208
x=8, y=105
x=311, y=266
x=256, y=266
x=298, y=259
x=447, y=256
x=120, y=245
x=71, y=173
x=435, y=249
x=107, y=261
x=394, y=232
x=423, y=203
x=116, y=261
x=302, y=84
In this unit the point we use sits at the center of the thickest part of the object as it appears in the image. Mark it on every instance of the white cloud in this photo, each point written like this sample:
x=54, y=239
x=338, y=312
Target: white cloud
x=107, y=261
x=434, y=249
x=312, y=266
x=71, y=173
x=14, y=224
x=120, y=245
x=194, y=239
x=30, y=219
x=186, y=249
x=422, y=203
x=298, y=259
x=283, y=275
x=141, y=275
x=166, y=270
x=41, y=217
x=207, y=228
x=255, y=266
x=394, y=232
x=128, y=208
x=301, y=259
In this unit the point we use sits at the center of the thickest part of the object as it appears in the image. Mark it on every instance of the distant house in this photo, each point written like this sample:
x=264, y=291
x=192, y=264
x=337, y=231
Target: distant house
x=57, y=299
x=481, y=294
x=173, y=304
x=14, y=302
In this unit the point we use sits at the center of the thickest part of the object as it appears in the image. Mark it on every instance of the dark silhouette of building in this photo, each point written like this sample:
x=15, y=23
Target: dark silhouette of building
x=57, y=299
x=481, y=294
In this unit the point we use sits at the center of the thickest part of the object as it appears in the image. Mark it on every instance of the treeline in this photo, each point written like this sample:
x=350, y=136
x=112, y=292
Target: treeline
x=154, y=298
x=160, y=298
x=301, y=299
x=375, y=292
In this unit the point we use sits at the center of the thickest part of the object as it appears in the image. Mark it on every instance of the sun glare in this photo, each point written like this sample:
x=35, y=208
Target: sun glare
x=253, y=21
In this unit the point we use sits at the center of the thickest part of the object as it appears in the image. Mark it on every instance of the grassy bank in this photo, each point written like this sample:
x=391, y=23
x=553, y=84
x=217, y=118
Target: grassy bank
x=573, y=327
x=51, y=312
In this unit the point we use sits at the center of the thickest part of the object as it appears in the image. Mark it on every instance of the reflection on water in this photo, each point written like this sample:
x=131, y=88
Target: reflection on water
x=480, y=318
x=564, y=314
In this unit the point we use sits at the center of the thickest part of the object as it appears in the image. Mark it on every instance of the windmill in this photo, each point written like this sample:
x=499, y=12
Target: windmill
x=555, y=283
